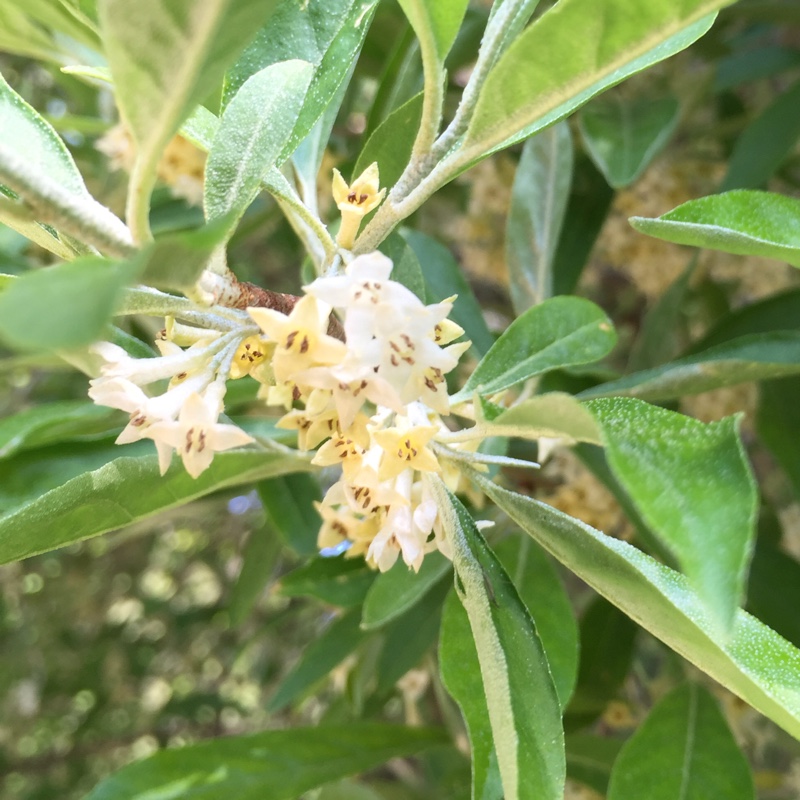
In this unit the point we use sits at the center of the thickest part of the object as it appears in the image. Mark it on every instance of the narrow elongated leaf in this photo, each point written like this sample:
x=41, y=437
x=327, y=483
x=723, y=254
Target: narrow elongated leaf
x=538, y=202
x=438, y=20
x=261, y=554
x=252, y=132
x=326, y=650
x=524, y=710
x=587, y=210
x=124, y=491
x=289, y=503
x=49, y=423
x=543, y=594
x=748, y=358
x=561, y=332
x=683, y=749
x=752, y=661
x=773, y=591
x=544, y=76
x=326, y=33
x=744, y=222
x=623, y=136
x=280, y=765
x=72, y=303
x=33, y=139
x=778, y=312
x=607, y=639
x=339, y=581
x=693, y=486
x=765, y=143
x=391, y=143
x=168, y=55
x=777, y=419
x=394, y=592
x=590, y=759
x=461, y=675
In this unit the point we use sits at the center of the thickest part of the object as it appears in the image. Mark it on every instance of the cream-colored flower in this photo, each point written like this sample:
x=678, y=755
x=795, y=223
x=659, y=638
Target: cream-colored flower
x=405, y=447
x=251, y=354
x=196, y=435
x=355, y=201
x=301, y=337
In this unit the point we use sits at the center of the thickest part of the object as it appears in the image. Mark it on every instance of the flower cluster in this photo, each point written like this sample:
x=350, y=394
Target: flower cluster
x=369, y=392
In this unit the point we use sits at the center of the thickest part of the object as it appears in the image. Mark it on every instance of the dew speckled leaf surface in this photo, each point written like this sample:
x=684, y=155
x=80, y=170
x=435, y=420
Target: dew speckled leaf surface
x=563, y=331
x=544, y=76
x=326, y=33
x=683, y=749
x=251, y=134
x=693, y=486
x=524, y=709
x=752, y=661
x=124, y=491
x=461, y=675
x=279, y=765
x=748, y=358
x=742, y=222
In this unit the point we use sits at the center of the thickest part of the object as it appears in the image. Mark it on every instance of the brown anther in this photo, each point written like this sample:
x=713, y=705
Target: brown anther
x=290, y=339
x=304, y=345
x=202, y=441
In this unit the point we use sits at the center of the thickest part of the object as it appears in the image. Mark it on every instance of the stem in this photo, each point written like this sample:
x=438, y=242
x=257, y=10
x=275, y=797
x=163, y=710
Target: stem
x=81, y=217
x=140, y=187
x=433, y=98
x=492, y=45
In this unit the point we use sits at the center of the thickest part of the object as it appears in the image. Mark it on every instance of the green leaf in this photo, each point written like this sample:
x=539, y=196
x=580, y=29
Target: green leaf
x=752, y=661
x=683, y=749
x=339, y=581
x=261, y=554
x=461, y=675
x=590, y=758
x=406, y=268
x=326, y=33
x=166, y=57
x=124, y=491
x=175, y=261
x=555, y=415
x=328, y=649
x=544, y=76
x=394, y=592
x=71, y=304
x=773, y=592
x=777, y=419
x=408, y=638
x=252, y=133
x=765, y=143
x=607, y=639
x=543, y=594
x=748, y=358
x=623, y=136
x=391, y=143
x=693, y=486
x=438, y=19
x=756, y=63
x=779, y=312
x=277, y=764
x=444, y=278
x=536, y=216
x=524, y=710
x=587, y=209
x=50, y=423
x=289, y=503
x=35, y=141
x=561, y=332
x=747, y=223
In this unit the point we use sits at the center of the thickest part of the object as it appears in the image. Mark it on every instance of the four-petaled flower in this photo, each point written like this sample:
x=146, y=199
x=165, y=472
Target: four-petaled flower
x=355, y=201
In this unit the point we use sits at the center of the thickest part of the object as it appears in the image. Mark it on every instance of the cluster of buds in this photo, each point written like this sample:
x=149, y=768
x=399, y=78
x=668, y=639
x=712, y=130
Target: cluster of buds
x=369, y=392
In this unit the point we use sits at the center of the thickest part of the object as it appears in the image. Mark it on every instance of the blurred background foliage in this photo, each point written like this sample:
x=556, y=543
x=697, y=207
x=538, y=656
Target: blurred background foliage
x=151, y=636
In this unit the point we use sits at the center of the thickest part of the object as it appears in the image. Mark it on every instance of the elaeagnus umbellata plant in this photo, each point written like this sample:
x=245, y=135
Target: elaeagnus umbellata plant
x=386, y=426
